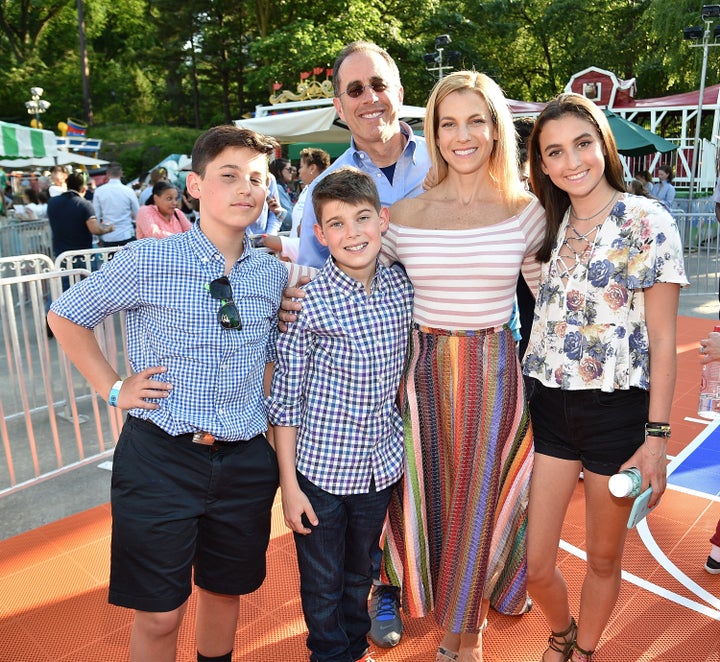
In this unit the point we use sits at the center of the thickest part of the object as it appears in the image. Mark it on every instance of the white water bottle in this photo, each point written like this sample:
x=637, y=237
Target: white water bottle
x=709, y=403
x=626, y=483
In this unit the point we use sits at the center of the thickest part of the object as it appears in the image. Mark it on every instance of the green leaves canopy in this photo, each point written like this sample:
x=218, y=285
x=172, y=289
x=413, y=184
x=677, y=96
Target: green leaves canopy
x=201, y=62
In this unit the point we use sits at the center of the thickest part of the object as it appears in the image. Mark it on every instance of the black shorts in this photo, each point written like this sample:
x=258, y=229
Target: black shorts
x=179, y=506
x=600, y=429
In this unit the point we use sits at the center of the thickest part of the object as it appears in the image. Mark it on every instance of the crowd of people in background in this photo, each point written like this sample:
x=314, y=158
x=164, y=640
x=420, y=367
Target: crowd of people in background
x=476, y=431
x=157, y=204
x=26, y=195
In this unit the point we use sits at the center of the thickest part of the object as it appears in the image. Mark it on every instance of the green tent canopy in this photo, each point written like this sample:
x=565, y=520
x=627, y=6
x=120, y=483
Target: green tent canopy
x=18, y=141
x=634, y=140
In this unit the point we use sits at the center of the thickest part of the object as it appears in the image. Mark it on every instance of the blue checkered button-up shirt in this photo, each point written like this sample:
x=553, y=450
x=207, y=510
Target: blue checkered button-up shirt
x=216, y=373
x=336, y=379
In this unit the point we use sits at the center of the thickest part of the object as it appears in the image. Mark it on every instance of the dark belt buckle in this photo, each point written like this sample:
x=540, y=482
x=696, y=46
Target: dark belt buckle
x=204, y=438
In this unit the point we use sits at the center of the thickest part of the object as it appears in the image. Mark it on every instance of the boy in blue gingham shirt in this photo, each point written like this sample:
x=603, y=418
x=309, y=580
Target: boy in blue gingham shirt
x=338, y=431
x=194, y=477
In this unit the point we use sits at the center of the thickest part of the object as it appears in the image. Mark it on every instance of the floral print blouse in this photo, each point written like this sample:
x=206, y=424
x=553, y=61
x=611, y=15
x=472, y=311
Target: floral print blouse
x=591, y=333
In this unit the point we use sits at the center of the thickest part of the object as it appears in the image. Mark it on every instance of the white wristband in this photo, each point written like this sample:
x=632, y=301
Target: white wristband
x=114, y=393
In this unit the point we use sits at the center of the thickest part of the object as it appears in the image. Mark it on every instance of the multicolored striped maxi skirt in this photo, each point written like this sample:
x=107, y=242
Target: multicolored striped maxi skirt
x=456, y=527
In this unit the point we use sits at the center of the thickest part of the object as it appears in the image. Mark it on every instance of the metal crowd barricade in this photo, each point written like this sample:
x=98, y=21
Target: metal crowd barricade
x=700, y=234
x=91, y=259
x=21, y=265
x=24, y=237
x=50, y=418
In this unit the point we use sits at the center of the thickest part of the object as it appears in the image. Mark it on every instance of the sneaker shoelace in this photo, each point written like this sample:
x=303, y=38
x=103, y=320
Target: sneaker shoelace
x=385, y=606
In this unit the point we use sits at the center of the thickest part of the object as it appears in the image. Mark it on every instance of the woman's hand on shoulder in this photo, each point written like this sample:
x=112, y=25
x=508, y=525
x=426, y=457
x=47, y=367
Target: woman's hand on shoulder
x=430, y=180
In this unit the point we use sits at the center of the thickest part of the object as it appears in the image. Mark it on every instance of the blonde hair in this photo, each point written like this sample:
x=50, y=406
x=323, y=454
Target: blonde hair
x=503, y=166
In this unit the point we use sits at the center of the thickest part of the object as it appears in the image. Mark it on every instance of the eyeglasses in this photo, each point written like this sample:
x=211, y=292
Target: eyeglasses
x=354, y=90
x=228, y=315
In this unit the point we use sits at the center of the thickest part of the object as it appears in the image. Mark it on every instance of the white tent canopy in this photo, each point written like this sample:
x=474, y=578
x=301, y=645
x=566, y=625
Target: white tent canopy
x=61, y=158
x=22, y=141
x=318, y=125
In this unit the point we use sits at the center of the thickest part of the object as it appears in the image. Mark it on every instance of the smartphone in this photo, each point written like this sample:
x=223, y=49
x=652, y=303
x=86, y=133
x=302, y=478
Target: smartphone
x=640, y=508
x=257, y=241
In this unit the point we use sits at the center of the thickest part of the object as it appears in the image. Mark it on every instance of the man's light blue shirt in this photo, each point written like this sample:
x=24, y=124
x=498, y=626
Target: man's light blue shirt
x=410, y=171
x=267, y=222
x=117, y=205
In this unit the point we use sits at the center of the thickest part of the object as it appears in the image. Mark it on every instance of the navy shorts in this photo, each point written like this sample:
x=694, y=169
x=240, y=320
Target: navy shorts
x=601, y=430
x=178, y=506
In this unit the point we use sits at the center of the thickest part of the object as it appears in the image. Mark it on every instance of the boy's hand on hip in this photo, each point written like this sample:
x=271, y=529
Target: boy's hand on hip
x=137, y=390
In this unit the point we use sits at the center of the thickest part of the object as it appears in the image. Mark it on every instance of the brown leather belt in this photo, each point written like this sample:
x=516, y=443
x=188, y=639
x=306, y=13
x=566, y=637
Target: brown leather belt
x=206, y=439
x=202, y=438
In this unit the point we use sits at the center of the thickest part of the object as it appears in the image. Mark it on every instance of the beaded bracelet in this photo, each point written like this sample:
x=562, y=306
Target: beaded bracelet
x=114, y=393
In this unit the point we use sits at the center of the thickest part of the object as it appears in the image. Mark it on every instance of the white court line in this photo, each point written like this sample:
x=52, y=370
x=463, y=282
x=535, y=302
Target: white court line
x=704, y=421
x=713, y=610
x=696, y=493
x=673, y=570
x=692, y=446
x=659, y=590
x=654, y=549
x=676, y=461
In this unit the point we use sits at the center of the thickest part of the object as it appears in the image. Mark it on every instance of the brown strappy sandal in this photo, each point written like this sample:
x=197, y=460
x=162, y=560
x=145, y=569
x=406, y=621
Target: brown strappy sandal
x=578, y=654
x=562, y=642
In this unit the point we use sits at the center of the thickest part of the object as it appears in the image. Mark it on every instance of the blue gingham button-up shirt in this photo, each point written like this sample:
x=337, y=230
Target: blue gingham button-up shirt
x=216, y=373
x=336, y=378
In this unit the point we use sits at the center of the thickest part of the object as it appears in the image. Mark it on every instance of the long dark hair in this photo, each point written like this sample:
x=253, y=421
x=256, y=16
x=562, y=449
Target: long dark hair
x=276, y=168
x=553, y=199
x=667, y=168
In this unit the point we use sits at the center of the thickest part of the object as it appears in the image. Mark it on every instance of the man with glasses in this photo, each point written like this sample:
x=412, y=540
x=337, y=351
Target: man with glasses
x=368, y=96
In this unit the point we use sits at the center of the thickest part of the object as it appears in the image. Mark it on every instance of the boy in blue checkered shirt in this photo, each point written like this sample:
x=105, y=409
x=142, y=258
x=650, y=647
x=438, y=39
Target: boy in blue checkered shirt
x=194, y=476
x=338, y=431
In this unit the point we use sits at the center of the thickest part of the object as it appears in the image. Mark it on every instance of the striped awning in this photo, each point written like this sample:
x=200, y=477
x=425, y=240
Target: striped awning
x=22, y=141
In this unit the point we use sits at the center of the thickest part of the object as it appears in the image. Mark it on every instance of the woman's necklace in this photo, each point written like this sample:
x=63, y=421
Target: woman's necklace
x=597, y=213
x=585, y=235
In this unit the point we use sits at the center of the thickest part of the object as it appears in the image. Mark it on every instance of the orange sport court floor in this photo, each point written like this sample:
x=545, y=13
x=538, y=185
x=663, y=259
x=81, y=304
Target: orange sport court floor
x=53, y=579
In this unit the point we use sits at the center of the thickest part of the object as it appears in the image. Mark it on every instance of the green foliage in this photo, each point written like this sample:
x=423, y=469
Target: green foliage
x=198, y=63
x=139, y=147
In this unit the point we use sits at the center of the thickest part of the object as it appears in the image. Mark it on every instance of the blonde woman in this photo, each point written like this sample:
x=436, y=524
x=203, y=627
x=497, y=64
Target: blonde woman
x=468, y=439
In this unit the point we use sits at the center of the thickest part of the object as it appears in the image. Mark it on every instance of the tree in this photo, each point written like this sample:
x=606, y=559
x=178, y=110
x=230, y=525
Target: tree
x=203, y=62
x=552, y=39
